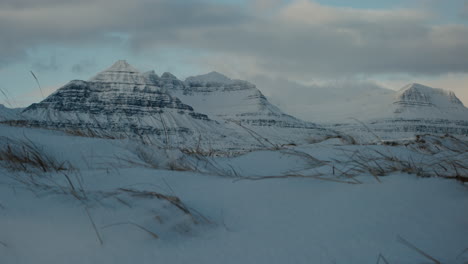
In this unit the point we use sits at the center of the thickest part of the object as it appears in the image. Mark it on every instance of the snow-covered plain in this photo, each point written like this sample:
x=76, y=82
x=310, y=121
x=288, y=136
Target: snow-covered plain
x=238, y=214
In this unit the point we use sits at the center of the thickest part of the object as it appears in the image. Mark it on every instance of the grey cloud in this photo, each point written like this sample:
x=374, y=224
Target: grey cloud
x=74, y=22
x=319, y=102
x=373, y=49
x=47, y=65
x=83, y=66
x=345, y=43
x=27, y=4
x=464, y=12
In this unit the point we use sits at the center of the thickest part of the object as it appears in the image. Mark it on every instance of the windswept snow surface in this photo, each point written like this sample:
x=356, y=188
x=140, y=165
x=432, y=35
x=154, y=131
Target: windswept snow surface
x=288, y=220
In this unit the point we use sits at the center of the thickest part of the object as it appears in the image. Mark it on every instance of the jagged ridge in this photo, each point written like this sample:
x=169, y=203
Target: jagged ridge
x=120, y=101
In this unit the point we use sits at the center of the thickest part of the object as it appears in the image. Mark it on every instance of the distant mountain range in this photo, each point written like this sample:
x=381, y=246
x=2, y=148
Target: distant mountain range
x=212, y=111
x=121, y=102
x=414, y=109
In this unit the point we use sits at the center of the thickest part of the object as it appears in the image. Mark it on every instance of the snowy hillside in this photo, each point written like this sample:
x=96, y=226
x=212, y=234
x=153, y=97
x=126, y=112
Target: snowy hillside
x=119, y=201
x=415, y=109
x=121, y=102
x=9, y=113
x=241, y=103
x=419, y=101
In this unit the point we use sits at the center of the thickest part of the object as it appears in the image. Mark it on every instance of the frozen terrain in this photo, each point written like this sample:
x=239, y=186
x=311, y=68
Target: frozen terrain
x=117, y=201
x=133, y=167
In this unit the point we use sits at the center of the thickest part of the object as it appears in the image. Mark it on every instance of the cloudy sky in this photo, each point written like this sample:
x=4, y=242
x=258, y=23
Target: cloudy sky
x=388, y=43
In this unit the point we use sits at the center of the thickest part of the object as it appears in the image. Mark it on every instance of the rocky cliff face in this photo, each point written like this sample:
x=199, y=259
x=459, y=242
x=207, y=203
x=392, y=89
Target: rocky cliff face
x=121, y=102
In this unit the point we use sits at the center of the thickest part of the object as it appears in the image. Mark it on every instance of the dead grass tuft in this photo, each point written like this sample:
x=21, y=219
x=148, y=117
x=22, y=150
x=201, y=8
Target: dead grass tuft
x=378, y=163
x=25, y=155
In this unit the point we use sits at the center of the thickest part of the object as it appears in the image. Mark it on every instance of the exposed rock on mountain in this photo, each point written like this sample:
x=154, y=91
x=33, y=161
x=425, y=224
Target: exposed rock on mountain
x=419, y=101
x=122, y=102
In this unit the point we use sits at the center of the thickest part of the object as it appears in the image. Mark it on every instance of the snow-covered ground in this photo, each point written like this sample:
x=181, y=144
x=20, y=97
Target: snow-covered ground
x=116, y=196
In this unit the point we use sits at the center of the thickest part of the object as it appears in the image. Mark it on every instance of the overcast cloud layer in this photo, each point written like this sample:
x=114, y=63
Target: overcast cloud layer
x=300, y=38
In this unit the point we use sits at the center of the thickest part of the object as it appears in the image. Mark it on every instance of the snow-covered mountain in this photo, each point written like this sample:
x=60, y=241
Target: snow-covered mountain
x=9, y=113
x=223, y=98
x=121, y=102
x=419, y=101
x=240, y=103
x=415, y=109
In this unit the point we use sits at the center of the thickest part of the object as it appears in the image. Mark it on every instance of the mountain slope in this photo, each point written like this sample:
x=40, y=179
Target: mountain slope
x=239, y=104
x=121, y=102
x=419, y=101
x=9, y=113
x=415, y=109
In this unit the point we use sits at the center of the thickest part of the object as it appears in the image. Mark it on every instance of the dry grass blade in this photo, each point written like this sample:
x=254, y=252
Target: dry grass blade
x=413, y=247
x=368, y=129
x=463, y=252
x=7, y=98
x=172, y=199
x=255, y=135
x=120, y=200
x=314, y=162
x=154, y=235
x=38, y=84
x=294, y=176
x=24, y=155
x=381, y=257
x=94, y=226
x=444, y=164
x=165, y=129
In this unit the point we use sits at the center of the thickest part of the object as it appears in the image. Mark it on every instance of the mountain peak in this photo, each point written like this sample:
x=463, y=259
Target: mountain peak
x=420, y=100
x=215, y=74
x=120, y=72
x=121, y=66
x=168, y=75
x=212, y=77
x=151, y=75
x=416, y=86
